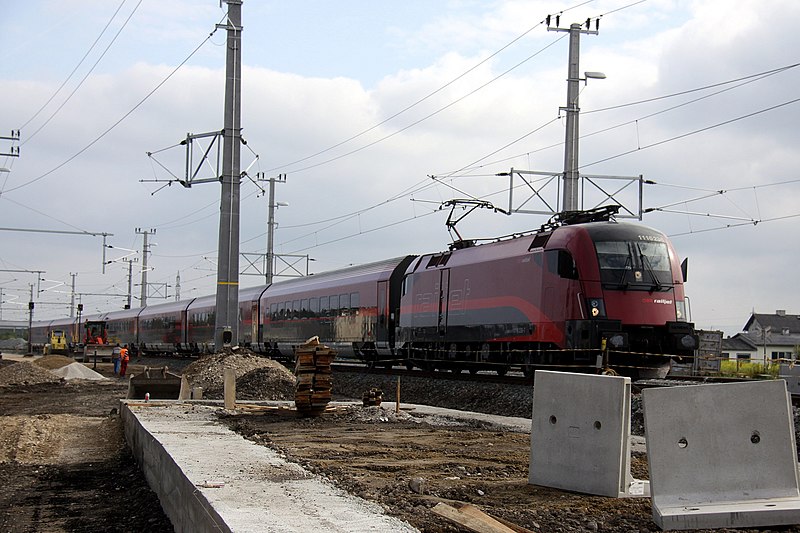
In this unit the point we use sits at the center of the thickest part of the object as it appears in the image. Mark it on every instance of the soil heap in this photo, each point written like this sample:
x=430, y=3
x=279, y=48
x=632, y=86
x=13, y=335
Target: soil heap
x=53, y=362
x=257, y=378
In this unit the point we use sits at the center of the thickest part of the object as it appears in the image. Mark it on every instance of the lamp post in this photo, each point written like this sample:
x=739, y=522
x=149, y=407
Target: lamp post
x=270, y=257
x=571, y=174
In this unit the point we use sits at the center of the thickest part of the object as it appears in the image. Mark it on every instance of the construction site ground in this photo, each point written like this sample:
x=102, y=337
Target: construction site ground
x=65, y=465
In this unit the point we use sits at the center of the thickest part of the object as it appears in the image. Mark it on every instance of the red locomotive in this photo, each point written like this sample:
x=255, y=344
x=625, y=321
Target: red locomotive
x=573, y=295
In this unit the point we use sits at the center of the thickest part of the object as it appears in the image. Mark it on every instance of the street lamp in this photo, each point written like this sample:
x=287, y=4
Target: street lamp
x=570, y=200
x=593, y=76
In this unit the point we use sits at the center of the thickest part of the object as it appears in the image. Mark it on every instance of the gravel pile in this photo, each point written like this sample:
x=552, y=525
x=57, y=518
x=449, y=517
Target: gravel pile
x=77, y=371
x=25, y=373
x=491, y=398
x=257, y=378
x=13, y=344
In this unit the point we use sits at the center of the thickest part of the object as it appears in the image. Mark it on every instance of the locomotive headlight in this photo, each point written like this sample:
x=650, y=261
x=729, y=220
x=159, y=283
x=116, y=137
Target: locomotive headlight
x=597, y=309
x=680, y=310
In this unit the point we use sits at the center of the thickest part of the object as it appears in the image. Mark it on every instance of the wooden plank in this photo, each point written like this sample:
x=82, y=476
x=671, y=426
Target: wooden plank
x=474, y=520
x=471, y=510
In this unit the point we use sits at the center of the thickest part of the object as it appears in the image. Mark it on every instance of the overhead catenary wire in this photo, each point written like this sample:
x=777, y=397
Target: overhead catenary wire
x=80, y=83
x=745, y=80
x=115, y=124
x=343, y=218
x=427, y=96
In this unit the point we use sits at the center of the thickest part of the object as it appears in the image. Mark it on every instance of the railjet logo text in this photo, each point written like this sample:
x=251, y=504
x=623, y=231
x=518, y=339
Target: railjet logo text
x=657, y=301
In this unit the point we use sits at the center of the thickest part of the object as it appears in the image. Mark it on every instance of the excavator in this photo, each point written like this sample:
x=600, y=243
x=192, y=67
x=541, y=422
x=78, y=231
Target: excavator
x=95, y=342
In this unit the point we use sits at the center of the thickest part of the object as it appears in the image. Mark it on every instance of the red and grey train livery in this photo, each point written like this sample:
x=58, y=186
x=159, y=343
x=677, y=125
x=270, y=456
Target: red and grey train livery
x=573, y=295
x=559, y=298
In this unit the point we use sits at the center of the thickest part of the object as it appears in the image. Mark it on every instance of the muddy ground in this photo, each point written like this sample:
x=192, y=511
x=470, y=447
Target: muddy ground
x=64, y=466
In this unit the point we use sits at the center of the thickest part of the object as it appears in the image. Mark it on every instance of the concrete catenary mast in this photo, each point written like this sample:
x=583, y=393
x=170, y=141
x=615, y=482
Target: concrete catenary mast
x=226, y=328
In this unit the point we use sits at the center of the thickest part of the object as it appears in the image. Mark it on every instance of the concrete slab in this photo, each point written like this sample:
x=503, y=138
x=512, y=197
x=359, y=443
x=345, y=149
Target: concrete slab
x=209, y=478
x=580, y=434
x=722, y=455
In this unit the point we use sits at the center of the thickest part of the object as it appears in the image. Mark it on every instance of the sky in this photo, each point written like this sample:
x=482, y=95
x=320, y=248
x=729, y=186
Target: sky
x=376, y=113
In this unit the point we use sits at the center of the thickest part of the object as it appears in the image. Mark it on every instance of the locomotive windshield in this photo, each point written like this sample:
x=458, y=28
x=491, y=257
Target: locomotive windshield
x=634, y=264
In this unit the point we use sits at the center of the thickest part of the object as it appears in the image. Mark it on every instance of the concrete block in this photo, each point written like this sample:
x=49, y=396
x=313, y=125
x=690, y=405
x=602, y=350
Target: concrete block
x=722, y=455
x=791, y=373
x=580, y=434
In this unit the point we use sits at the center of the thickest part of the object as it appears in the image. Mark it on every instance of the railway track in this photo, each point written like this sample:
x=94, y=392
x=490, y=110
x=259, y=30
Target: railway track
x=516, y=378
x=513, y=378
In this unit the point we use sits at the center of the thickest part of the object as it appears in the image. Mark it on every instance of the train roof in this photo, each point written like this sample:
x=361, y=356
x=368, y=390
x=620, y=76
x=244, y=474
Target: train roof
x=122, y=314
x=251, y=293
x=602, y=231
x=13, y=324
x=169, y=307
x=523, y=243
x=377, y=271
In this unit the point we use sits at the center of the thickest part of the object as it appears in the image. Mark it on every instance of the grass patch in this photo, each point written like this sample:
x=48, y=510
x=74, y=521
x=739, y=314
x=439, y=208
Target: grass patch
x=748, y=369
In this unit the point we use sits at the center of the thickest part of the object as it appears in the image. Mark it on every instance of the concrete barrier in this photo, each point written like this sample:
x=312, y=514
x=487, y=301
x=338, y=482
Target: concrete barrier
x=580, y=434
x=722, y=455
x=187, y=508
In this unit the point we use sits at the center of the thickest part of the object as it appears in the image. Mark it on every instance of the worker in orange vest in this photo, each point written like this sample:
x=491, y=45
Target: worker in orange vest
x=124, y=358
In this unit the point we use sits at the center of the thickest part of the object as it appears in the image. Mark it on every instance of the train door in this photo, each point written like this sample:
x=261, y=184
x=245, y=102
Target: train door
x=254, y=321
x=383, y=331
x=444, y=297
x=183, y=330
x=560, y=289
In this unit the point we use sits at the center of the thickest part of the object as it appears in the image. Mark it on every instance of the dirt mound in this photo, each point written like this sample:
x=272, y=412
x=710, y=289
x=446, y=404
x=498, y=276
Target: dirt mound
x=207, y=372
x=25, y=373
x=272, y=382
x=51, y=362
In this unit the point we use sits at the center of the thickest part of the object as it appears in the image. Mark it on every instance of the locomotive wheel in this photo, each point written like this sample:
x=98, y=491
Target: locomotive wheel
x=470, y=353
x=409, y=365
x=485, y=353
x=452, y=352
x=501, y=370
x=528, y=371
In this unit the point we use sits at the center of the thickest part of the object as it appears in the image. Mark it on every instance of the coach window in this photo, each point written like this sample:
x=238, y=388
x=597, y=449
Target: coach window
x=560, y=262
x=355, y=302
x=295, y=308
x=313, y=305
x=304, y=308
x=323, y=306
x=334, y=305
x=273, y=311
x=408, y=282
x=344, y=304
